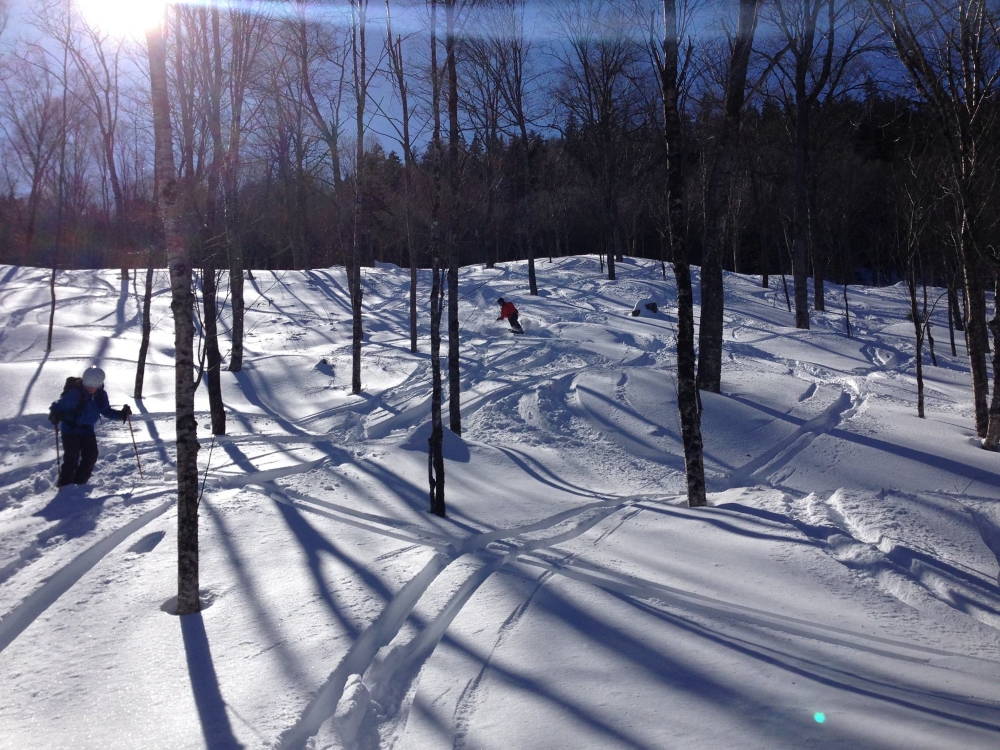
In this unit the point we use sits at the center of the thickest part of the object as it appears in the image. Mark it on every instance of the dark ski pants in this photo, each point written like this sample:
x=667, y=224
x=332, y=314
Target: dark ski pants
x=80, y=455
x=514, y=325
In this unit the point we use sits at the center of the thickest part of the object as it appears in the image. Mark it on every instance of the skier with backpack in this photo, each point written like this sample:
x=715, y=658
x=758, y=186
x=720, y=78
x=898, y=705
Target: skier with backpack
x=509, y=312
x=82, y=404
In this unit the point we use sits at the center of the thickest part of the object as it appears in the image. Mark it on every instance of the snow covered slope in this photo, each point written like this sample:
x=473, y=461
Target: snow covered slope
x=843, y=591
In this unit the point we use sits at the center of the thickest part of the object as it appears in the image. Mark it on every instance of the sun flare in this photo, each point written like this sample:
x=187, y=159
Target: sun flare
x=122, y=17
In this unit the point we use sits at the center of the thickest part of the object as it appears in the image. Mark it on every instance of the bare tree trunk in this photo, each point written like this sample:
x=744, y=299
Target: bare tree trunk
x=952, y=306
x=847, y=313
x=212, y=356
x=357, y=331
x=212, y=68
x=688, y=401
x=758, y=211
x=140, y=368
x=993, y=430
x=300, y=217
x=611, y=210
x=413, y=267
x=956, y=308
x=236, y=300
x=712, y=295
x=800, y=221
x=492, y=241
x=454, y=363
x=819, y=277
x=360, y=62
x=949, y=71
x=918, y=329
x=182, y=304
x=52, y=294
x=526, y=214
x=435, y=454
x=816, y=250
x=927, y=320
x=977, y=344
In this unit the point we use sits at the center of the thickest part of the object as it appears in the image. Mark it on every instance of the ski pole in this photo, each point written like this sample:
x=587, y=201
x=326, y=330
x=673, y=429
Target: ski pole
x=57, y=450
x=134, y=448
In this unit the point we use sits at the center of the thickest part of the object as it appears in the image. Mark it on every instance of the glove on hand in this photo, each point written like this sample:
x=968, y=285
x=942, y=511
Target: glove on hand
x=54, y=417
x=126, y=412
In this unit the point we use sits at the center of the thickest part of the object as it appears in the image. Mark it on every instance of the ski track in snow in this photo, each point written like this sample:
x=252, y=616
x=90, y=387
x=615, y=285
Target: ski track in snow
x=771, y=461
x=484, y=553
x=467, y=703
x=896, y=569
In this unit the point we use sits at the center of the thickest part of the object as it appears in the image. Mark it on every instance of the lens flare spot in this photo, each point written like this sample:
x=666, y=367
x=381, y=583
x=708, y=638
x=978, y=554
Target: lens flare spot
x=122, y=18
x=820, y=717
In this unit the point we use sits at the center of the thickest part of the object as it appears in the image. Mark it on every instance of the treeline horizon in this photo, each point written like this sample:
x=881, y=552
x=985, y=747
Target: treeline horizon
x=576, y=166
x=864, y=154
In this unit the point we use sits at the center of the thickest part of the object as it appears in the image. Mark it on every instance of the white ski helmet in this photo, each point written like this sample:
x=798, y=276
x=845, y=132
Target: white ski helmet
x=93, y=377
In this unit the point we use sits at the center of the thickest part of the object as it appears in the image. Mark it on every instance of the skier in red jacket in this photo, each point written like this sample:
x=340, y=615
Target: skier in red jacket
x=509, y=312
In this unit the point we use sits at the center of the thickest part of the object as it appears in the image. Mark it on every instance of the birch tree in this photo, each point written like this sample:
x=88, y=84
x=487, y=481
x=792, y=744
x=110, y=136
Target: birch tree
x=182, y=304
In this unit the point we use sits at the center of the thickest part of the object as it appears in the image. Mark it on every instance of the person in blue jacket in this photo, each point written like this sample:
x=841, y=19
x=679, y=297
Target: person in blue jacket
x=82, y=404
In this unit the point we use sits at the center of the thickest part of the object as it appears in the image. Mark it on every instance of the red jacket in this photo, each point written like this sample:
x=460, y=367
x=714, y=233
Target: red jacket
x=507, y=310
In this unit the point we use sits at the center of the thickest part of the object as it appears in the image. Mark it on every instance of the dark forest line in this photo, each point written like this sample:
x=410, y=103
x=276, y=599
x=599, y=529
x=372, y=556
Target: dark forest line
x=867, y=151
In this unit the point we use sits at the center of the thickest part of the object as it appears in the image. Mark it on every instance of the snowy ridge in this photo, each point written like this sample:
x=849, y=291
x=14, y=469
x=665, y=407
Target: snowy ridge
x=847, y=569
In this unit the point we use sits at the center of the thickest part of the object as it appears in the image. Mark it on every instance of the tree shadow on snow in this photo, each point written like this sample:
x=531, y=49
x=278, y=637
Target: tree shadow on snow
x=313, y=543
x=263, y=617
x=679, y=673
x=215, y=726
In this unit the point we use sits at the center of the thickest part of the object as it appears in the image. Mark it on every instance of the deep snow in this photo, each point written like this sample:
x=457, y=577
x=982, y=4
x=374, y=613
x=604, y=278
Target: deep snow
x=842, y=592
